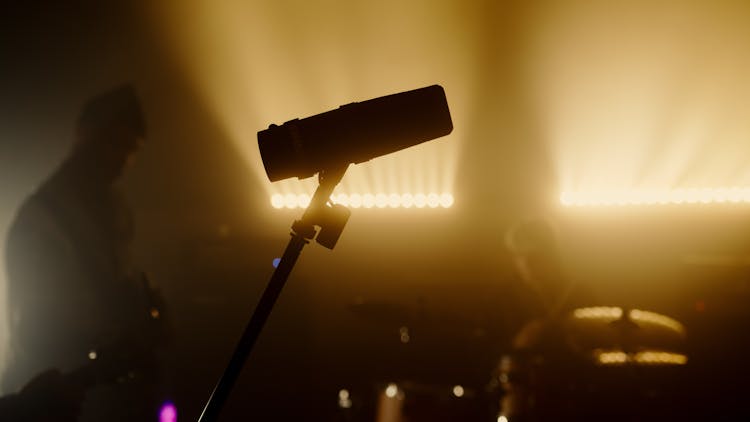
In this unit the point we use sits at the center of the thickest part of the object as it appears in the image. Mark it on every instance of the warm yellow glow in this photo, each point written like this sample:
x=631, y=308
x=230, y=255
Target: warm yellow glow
x=341, y=199
x=612, y=358
x=344, y=400
x=611, y=313
x=420, y=200
x=394, y=200
x=381, y=201
x=277, y=200
x=433, y=200
x=303, y=200
x=502, y=418
x=355, y=200
x=290, y=201
x=256, y=63
x=655, y=197
x=638, y=315
x=641, y=99
x=607, y=313
x=446, y=200
x=404, y=333
x=660, y=358
x=644, y=357
x=458, y=391
x=407, y=200
x=367, y=200
x=93, y=355
x=391, y=391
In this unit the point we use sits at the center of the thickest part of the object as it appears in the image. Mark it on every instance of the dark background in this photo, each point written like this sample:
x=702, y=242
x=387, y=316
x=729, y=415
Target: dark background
x=207, y=234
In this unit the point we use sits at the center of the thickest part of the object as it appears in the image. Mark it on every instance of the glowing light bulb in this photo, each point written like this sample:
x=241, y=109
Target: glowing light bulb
x=458, y=391
x=344, y=401
x=290, y=201
x=446, y=200
x=394, y=200
x=368, y=200
x=433, y=200
x=303, y=200
x=381, y=200
x=420, y=200
x=407, y=200
x=391, y=391
x=277, y=200
x=342, y=199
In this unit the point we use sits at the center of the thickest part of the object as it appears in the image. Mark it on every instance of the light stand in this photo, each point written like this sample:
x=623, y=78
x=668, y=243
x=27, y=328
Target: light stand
x=331, y=220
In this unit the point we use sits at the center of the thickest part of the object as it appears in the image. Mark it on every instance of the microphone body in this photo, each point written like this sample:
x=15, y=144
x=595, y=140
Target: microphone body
x=354, y=133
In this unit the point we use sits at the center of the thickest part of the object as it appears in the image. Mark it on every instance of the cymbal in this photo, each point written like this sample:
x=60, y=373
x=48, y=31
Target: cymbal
x=613, y=327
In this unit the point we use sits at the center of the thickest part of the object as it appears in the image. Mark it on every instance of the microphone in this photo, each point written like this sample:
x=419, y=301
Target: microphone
x=354, y=133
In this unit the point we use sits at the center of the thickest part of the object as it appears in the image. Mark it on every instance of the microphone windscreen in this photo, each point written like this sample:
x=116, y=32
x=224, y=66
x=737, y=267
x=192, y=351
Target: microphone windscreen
x=354, y=133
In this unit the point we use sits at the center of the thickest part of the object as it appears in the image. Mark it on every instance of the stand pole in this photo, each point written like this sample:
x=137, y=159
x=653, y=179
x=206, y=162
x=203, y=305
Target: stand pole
x=302, y=231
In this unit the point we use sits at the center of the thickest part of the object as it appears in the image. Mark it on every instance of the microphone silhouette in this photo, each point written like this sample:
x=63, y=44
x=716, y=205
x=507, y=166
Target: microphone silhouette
x=354, y=133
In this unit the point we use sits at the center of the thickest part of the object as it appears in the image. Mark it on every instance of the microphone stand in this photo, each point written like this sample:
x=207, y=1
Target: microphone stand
x=331, y=219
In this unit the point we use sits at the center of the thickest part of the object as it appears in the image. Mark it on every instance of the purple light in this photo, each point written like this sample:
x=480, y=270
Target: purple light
x=168, y=412
x=276, y=262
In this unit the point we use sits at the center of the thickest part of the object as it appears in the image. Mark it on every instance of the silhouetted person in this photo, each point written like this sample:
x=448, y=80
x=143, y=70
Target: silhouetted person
x=75, y=299
x=539, y=364
x=46, y=398
x=542, y=290
x=554, y=371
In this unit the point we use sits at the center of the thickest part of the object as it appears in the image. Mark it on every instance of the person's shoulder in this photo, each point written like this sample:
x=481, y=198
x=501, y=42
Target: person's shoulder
x=32, y=210
x=34, y=222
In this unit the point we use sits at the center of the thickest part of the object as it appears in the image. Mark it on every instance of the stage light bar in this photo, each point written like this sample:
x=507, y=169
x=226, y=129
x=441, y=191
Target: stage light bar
x=734, y=195
x=369, y=200
x=606, y=313
x=660, y=358
x=645, y=357
x=612, y=358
